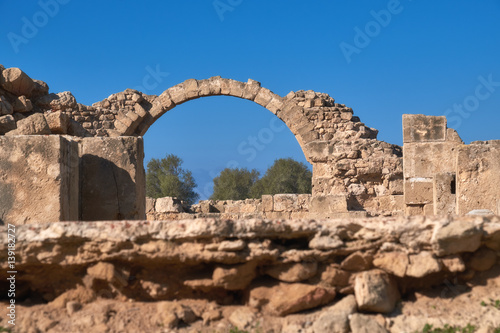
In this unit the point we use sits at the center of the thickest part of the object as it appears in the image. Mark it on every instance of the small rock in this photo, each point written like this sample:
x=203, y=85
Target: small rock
x=242, y=317
x=365, y=324
x=422, y=264
x=357, y=262
x=22, y=104
x=325, y=242
x=480, y=212
x=232, y=246
x=392, y=262
x=482, y=260
x=335, y=277
x=5, y=106
x=234, y=278
x=168, y=205
x=456, y=237
x=293, y=272
x=58, y=122
x=40, y=89
x=60, y=101
x=32, y=125
x=284, y=298
x=171, y=313
x=375, y=291
x=17, y=82
x=7, y=123
x=107, y=271
x=335, y=319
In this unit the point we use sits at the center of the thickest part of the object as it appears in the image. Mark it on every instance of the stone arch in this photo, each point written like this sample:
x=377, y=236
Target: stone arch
x=138, y=121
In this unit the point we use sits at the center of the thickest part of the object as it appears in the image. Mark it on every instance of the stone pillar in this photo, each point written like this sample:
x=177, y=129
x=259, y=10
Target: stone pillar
x=38, y=179
x=113, y=185
x=429, y=151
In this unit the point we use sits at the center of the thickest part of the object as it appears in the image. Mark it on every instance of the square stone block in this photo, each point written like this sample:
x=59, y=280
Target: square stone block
x=421, y=128
x=38, y=179
x=418, y=191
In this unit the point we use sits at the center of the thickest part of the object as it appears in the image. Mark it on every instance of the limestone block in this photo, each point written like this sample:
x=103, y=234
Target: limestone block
x=275, y=105
x=392, y=262
x=150, y=205
x=391, y=203
x=284, y=298
x=17, y=82
x=335, y=319
x=40, y=89
x=293, y=272
x=58, y=122
x=412, y=210
x=427, y=159
x=177, y=94
x=168, y=205
x=60, y=101
x=328, y=204
x=225, y=86
x=317, y=151
x=166, y=102
x=267, y=203
x=456, y=237
x=22, y=104
x=113, y=179
x=264, y=97
x=32, y=125
x=418, y=191
x=375, y=291
x=234, y=277
x=191, y=88
x=236, y=88
x=5, y=106
x=7, y=123
x=478, y=177
x=215, y=85
x=421, y=128
x=422, y=264
x=139, y=110
x=285, y=202
x=204, y=88
x=251, y=89
x=360, y=323
x=444, y=188
x=38, y=179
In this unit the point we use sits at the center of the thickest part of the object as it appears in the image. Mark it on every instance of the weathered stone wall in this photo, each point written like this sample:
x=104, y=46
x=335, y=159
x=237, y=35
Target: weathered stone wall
x=444, y=176
x=278, y=206
x=277, y=267
x=345, y=154
x=51, y=178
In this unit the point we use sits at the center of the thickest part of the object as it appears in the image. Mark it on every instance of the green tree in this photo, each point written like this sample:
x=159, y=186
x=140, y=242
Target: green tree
x=284, y=176
x=166, y=178
x=234, y=184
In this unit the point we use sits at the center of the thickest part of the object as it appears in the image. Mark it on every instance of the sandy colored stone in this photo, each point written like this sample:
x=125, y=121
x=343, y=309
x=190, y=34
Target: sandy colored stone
x=392, y=262
x=293, y=272
x=17, y=82
x=375, y=291
x=284, y=299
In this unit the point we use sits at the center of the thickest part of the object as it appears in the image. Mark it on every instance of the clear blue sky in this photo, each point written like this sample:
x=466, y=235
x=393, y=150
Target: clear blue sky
x=425, y=58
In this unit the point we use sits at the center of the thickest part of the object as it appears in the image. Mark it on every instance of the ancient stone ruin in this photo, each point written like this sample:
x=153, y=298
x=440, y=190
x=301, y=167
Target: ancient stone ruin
x=383, y=232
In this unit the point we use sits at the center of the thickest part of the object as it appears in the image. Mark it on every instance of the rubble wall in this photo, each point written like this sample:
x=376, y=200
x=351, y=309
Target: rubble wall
x=277, y=267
